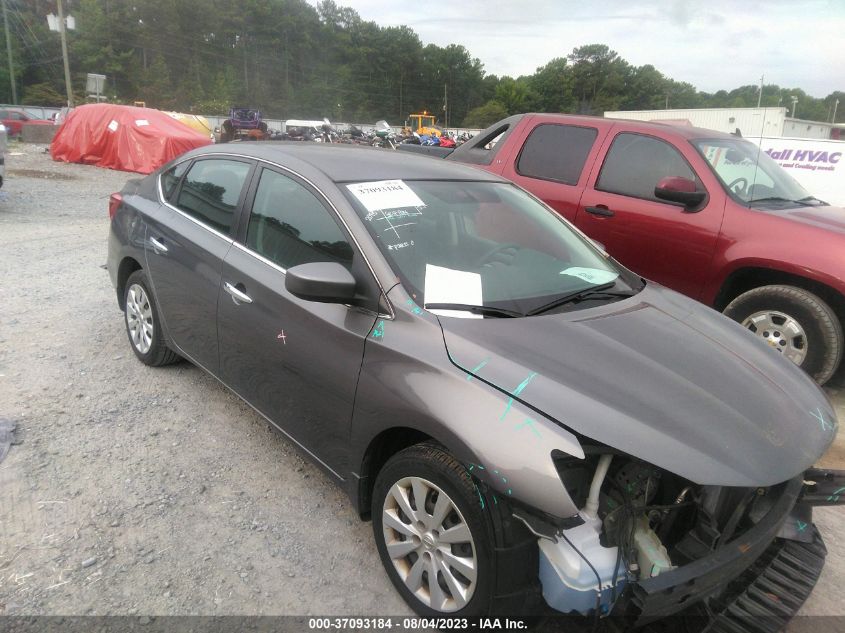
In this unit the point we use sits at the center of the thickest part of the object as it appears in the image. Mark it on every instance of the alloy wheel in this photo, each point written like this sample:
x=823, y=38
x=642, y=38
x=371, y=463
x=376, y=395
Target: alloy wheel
x=139, y=318
x=430, y=544
x=780, y=331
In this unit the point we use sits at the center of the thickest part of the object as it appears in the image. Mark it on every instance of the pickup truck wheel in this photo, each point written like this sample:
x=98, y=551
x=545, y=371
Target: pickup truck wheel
x=795, y=322
x=443, y=550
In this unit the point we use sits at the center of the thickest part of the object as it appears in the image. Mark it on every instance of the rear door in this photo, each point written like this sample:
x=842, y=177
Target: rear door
x=551, y=163
x=186, y=241
x=295, y=361
x=658, y=240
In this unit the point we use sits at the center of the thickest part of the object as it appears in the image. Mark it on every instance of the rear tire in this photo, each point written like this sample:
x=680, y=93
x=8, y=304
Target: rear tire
x=227, y=132
x=143, y=325
x=502, y=576
x=812, y=338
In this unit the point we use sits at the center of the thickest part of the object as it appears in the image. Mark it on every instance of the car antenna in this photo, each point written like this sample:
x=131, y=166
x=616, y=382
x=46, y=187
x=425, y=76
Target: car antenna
x=759, y=149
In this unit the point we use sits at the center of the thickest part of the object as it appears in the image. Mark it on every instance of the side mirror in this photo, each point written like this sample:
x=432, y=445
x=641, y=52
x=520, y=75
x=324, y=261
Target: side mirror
x=679, y=190
x=326, y=282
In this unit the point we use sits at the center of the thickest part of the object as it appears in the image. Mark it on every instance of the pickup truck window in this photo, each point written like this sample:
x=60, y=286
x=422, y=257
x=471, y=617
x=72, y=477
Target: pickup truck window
x=749, y=175
x=556, y=152
x=635, y=164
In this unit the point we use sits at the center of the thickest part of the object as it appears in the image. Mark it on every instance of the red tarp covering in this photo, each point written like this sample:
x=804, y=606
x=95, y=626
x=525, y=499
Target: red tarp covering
x=123, y=137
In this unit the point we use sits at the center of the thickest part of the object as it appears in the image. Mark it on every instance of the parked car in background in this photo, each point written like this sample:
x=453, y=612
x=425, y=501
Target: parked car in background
x=14, y=121
x=704, y=213
x=3, y=146
x=516, y=412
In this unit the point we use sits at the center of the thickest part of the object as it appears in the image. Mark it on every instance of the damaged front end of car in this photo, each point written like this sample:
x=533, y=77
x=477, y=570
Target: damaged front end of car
x=651, y=545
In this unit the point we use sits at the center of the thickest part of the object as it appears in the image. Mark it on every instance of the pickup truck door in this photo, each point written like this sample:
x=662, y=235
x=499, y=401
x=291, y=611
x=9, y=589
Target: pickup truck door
x=659, y=240
x=550, y=162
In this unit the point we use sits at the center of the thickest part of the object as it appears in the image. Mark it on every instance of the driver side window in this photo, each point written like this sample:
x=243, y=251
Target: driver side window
x=636, y=163
x=290, y=226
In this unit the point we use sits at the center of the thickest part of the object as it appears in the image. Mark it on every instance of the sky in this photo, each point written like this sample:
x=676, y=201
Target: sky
x=712, y=44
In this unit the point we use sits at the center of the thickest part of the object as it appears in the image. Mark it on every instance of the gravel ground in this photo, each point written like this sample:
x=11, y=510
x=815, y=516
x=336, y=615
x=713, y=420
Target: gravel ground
x=157, y=491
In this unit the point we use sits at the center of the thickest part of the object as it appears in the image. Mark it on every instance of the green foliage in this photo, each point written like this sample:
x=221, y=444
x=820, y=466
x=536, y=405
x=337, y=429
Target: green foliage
x=295, y=59
x=486, y=115
x=44, y=94
x=512, y=95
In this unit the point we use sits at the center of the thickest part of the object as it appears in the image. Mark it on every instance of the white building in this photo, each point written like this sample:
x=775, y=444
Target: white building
x=771, y=122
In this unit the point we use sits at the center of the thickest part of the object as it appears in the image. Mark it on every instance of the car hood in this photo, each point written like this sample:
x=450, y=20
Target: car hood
x=824, y=217
x=660, y=377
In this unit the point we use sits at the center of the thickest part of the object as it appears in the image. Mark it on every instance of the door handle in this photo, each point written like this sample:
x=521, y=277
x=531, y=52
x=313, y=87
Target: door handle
x=158, y=246
x=600, y=210
x=238, y=296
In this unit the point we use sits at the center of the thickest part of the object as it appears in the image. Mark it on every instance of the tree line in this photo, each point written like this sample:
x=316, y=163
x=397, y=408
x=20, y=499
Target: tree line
x=295, y=60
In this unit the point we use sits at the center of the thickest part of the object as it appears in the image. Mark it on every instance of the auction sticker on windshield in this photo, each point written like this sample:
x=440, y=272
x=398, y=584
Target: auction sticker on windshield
x=385, y=194
x=593, y=275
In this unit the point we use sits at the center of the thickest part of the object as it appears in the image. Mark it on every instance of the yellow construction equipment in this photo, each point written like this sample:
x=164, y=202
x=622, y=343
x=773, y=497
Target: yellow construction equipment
x=424, y=124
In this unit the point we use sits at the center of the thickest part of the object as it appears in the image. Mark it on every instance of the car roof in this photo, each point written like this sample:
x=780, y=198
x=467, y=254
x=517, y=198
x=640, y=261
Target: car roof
x=349, y=163
x=685, y=131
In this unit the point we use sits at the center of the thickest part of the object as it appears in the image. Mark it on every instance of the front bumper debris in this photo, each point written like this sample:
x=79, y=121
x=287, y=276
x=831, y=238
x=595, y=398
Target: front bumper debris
x=824, y=487
x=775, y=588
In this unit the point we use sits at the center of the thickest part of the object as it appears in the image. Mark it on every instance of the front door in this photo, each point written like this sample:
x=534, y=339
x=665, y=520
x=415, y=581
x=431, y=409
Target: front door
x=660, y=241
x=187, y=238
x=295, y=361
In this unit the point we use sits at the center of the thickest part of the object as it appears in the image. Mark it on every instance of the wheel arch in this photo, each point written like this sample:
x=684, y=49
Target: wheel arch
x=747, y=278
x=128, y=265
x=380, y=449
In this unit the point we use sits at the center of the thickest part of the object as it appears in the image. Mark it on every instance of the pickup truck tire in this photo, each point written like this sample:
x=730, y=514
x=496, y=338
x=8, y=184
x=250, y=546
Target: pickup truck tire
x=818, y=347
x=410, y=533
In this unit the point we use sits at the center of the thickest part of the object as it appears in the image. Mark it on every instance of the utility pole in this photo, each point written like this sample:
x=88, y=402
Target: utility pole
x=9, y=55
x=760, y=94
x=835, y=105
x=667, y=101
x=63, y=34
x=445, y=107
x=246, y=74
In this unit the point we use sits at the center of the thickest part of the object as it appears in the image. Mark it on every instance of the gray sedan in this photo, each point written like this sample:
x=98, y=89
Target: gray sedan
x=524, y=420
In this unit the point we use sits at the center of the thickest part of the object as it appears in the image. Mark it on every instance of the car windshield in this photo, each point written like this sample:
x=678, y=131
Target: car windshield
x=483, y=244
x=750, y=175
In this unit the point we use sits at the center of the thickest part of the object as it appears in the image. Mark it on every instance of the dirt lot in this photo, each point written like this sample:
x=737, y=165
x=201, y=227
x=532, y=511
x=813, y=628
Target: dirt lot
x=156, y=491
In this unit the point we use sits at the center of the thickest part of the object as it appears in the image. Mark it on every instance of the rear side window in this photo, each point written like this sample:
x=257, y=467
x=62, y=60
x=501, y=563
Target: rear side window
x=290, y=226
x=211, y=192
x=170, y=179
x=556, y=152
x=636, y=163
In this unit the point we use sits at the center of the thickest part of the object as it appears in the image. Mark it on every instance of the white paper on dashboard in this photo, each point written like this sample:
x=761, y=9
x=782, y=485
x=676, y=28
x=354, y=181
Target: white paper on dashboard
x=593, y=275
x=444, y=285
x=385, y=194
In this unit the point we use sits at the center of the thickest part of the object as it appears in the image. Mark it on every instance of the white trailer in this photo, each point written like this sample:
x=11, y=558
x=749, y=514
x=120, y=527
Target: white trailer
x=819, y=165
x=765, y=122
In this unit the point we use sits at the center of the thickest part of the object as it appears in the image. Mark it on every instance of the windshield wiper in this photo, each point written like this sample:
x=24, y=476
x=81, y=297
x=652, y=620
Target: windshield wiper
x=465, y=307
x=811, y=198
x=803, y=202
x=579, y=295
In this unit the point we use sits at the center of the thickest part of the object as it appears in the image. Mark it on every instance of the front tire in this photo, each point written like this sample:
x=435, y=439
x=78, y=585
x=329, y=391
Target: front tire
x=797, y=323
x=443, y=550
x=143, y=325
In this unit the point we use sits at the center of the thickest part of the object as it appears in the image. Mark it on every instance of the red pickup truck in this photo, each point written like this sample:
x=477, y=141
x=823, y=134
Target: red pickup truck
x=702, y=212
